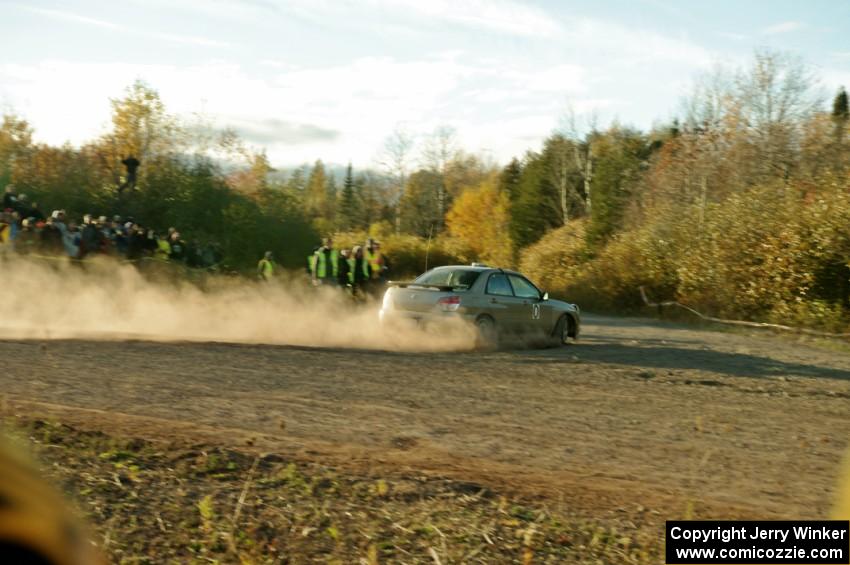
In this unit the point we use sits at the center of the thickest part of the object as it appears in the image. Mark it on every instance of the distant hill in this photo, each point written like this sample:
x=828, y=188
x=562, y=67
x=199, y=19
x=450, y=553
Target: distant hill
x=335, y=170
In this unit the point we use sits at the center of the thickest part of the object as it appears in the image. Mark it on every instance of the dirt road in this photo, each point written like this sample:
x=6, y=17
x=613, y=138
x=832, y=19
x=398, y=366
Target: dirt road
x=638, y=412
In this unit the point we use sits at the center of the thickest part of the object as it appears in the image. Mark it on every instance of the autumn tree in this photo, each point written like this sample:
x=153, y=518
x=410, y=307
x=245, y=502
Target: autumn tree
x=316, y=190
x=15, y=143
x=141, y=127
x=480, y=218
x=463, y=171
x=254, y=177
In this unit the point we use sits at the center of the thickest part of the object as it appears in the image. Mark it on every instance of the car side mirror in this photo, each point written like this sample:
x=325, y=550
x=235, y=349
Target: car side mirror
x=545, y=296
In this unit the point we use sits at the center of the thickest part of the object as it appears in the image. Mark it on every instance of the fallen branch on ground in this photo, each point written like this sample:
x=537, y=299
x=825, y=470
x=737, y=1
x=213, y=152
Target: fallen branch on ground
x=763, y=325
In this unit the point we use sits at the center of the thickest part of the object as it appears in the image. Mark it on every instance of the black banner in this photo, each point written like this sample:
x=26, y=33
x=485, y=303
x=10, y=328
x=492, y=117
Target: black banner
x=695, y=542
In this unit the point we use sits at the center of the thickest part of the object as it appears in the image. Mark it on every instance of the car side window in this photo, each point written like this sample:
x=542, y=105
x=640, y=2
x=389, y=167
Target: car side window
x=523, y=288
x=498, y=284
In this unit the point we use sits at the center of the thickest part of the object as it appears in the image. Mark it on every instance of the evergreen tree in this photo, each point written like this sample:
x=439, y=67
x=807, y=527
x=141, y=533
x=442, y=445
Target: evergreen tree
x=329, y=209
x=840, y=116
x=840, y=109
x=296, y=182
x=348, y=213
x=620, y=154
x=535, y=205
x=510, y=177
x=371, y=207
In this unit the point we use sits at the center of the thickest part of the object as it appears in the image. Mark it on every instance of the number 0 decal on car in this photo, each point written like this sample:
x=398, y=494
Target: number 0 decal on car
x=535, y=311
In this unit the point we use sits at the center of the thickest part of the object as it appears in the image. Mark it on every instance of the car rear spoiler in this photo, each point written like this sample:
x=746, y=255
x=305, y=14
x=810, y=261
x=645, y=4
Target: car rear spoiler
x=440, y=287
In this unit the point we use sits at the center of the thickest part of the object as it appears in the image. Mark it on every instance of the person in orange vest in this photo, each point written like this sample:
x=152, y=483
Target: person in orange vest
x=377, y=261
x=378, y=265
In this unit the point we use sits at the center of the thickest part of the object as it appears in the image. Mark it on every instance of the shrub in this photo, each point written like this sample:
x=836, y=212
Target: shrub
x=555, y=260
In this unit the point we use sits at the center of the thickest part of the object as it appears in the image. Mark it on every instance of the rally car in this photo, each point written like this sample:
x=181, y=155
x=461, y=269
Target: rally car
x=502, y=304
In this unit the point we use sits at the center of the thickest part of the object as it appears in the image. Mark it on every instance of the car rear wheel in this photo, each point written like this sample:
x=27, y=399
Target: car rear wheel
x=487, y=337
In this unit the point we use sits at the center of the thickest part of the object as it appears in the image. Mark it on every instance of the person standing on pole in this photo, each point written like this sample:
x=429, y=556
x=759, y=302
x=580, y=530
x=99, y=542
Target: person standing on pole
x=132, y=165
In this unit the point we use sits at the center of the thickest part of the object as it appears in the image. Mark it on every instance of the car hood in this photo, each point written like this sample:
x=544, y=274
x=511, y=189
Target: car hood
x=563, y=306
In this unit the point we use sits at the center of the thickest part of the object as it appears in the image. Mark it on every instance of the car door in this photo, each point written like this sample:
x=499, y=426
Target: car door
x=501, y=303
x=535, y=316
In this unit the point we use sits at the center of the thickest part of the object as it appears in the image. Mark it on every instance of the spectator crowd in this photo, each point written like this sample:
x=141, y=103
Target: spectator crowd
x=25, y=230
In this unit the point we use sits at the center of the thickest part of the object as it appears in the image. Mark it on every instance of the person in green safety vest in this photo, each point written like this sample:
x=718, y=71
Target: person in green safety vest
x=311, y=262
x=325, y=265
x=265, y=268
x=360, y=270
x=163, y=248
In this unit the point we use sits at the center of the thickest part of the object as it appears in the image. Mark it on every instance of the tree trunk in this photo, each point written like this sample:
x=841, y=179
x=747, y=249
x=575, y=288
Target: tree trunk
x=588, y=174
x=564, y=187
x=585, y=168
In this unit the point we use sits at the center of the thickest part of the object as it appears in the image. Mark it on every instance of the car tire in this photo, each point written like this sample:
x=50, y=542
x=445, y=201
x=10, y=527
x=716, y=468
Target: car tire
x=487, y=337
x=563, y=329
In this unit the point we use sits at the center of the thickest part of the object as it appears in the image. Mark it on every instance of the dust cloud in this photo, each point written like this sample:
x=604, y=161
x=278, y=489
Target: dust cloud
x=108, y=300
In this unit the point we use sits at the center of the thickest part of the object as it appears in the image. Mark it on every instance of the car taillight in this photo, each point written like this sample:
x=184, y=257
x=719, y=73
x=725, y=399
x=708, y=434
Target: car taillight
x=449, y=303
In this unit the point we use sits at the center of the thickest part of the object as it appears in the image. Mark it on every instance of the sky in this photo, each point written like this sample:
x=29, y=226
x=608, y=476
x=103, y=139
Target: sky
x=332, y=79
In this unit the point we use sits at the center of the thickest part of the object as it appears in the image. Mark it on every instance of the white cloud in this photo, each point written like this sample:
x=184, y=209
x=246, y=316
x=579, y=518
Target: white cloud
x=628, y=46
x=564, y=78
x=496, y=15
x=833, y=79
x=300, y=110
x=77, y=18
x=502, y=16
x=783, y=27
x=68, y=16
x=336, y=113
x=733, y=36
x=190, y=39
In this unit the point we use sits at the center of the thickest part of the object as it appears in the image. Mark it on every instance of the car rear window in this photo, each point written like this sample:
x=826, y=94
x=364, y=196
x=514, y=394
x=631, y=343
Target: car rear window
x=463, y=278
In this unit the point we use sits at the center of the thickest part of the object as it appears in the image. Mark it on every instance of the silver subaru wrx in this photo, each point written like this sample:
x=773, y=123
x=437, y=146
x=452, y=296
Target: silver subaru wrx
x=502, y=304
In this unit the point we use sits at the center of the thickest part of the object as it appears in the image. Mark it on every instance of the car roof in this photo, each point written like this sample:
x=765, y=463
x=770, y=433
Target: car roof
x=479, y=268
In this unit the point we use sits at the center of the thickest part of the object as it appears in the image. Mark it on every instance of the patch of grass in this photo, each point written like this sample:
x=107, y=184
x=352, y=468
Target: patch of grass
x=156, y=503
